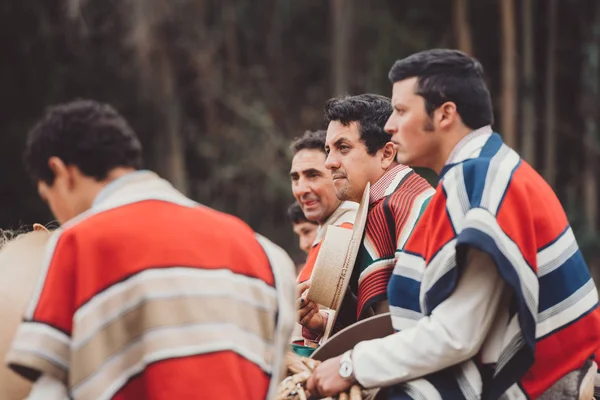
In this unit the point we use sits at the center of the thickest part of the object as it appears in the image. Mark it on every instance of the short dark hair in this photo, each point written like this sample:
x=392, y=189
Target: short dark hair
x=310, y=140
x=296, y=215
x=449, y=75
x=92, y=136
x=371, y=111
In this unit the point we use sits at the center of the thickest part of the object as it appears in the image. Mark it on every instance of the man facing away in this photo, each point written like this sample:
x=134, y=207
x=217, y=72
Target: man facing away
x=144, y=293
x=359, y=152
x=313, y=188
x=506, y=306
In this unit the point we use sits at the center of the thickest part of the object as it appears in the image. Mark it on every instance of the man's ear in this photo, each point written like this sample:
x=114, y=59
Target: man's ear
x=447, y=115
x=61, y=171
x=388, y=155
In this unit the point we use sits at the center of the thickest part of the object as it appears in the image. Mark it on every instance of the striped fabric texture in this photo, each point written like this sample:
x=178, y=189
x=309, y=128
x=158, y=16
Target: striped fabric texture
x=397, y=201
x=490, y=199
x=150, y=295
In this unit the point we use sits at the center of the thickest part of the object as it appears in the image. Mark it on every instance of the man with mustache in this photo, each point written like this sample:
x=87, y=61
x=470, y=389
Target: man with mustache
x=490, y=296
x=313, y=188
x=359, y=152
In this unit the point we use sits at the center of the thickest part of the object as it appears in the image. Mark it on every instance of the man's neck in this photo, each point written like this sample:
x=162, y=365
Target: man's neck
x=94, y=187
x=446, y=147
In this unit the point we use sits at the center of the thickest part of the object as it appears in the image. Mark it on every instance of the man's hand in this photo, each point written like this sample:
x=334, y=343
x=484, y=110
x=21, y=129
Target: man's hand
x=326, y=380
x=308, y=311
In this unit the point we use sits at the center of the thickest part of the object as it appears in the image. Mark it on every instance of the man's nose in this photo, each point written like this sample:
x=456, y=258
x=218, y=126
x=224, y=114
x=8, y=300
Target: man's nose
x=300, y=187
x=331, y=162
x=390, y=127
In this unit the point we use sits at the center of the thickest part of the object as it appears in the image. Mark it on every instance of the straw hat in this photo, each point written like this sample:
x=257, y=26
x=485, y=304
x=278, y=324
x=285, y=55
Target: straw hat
x=336, y=258
x=374, y=327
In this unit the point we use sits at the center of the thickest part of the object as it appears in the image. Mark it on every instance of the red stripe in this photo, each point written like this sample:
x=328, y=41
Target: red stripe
x=561, y=353
x=223, y=375
x=372, y=285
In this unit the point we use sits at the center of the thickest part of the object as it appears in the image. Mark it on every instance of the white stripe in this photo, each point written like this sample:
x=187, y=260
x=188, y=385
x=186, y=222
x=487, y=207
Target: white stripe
x=41, y=329
x=444, y=261
x=480, y=219
x=39, y=285
x=569, y=312
x=285, y=283
x=469, y=380
x=498, y=176
x=375, y=266
x=403, y=318
x=411, y=221
x=471, y=145
x=422, y=389
x=209, y=284
x=512, y=342
x=370, y=247
x=457, y=201
x=228, y=342
x=514, y=393
x=397, y=179
x=557, y=253
x=31, y=336
x=410, y=265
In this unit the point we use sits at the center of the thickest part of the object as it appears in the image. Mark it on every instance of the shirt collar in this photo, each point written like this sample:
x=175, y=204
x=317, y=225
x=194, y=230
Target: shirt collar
x=118, y=183
x=388, y=182
x=470, y=146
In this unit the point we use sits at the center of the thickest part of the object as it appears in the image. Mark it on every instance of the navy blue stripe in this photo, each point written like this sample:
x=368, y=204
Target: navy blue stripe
x=441, y=290
x=512, y=173
x=520, y=363
x=563, y=281
x=565, y=326
x=403, y=292
x=491, y=147
x=475, y=238
x=474, y=175
x=445, y=382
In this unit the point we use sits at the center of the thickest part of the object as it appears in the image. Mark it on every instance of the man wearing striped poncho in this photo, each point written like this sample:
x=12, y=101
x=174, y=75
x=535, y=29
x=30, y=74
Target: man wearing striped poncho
x=144, y=293
x=490, y=296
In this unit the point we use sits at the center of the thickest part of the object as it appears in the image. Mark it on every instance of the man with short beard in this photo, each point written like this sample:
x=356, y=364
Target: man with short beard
x=313, y=188
x=360, y=152
x=506, y=307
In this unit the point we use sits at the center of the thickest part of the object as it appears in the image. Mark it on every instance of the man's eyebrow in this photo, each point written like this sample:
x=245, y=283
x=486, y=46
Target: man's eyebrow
x=340, y=141
x=311, y=171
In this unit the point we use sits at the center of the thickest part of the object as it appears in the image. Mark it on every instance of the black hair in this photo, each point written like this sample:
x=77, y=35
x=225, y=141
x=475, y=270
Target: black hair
x=310, y=140
x=296, y=215
x=370, y=111
x=92, y=136
x=448, y=75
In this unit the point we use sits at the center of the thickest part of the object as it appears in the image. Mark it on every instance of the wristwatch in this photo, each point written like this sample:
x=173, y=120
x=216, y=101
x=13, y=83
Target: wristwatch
x=346, y=369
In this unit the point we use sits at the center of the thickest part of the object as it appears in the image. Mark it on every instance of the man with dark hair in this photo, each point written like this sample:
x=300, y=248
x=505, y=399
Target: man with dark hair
x=490, y=296
x=313, y=189
x=359, y=152
x=145, y=293
x=303, y=228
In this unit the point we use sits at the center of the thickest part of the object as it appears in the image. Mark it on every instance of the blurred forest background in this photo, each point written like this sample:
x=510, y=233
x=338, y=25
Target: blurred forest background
x=216, y=89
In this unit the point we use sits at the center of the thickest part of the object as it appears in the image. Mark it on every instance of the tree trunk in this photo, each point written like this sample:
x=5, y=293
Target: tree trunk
x=591, y=105
x=341, y=14
x=550, y=107
x=462, y=27
x=528, y=96
x=509, y=74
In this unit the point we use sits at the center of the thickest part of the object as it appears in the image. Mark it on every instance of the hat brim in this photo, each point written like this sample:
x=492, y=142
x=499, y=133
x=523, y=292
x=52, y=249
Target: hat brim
x=374, y=327
x=336, y=259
